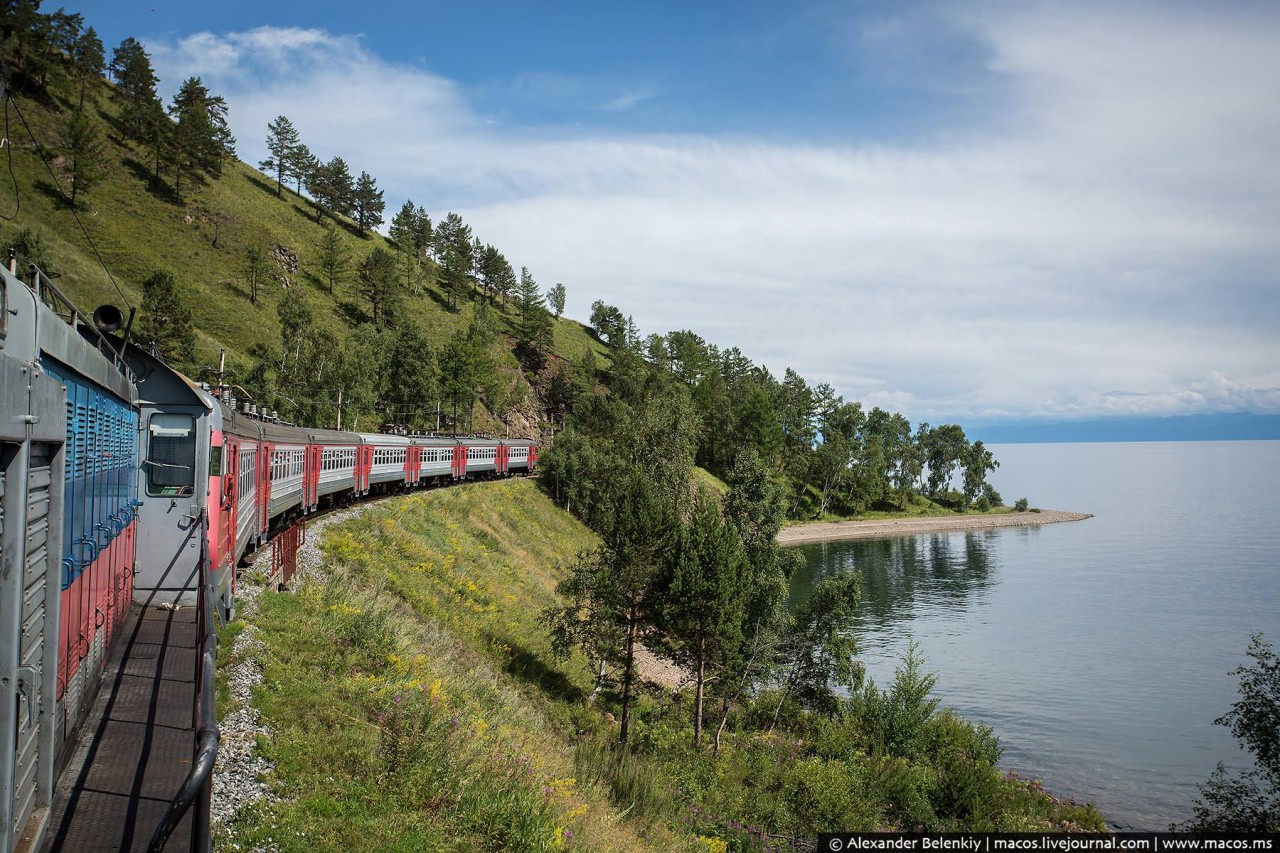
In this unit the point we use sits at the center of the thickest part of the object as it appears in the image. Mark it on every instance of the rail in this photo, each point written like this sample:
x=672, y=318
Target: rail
x=197, y=788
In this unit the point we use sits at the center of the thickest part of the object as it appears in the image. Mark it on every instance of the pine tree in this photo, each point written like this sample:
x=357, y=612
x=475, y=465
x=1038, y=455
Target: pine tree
x=703, y=614
x=534, y=321
x=23, y=43
x=453, y=277
x=333, y=256
x=300, y=163
x=377, y=274
x=83, y=152
x=422, y=233
x=506, y=280
x=202, y=137
x=454, y=235
x=402, y=233
x=332, y=186
x=166, y=320
x=612, y=598
x=465, y=371
x=282, y=140
x=367, y=203
x=135, y=87
x=255, y=269
x=409, y=378
x=88, y=61
x=157, y=135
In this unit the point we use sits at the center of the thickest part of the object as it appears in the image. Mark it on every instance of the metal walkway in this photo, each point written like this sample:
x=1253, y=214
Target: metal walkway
x=136, y=748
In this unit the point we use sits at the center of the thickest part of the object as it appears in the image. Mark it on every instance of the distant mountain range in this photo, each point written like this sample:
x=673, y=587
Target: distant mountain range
x=1234, y=426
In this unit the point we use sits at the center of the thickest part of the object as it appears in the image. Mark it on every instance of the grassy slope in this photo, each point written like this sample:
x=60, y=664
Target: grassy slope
x=140, y=228
x=410, y=694
x=416, y=705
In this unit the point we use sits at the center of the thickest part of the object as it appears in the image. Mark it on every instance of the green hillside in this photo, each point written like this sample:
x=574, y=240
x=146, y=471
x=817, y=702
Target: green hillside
x=430, y=329
x=139, y=226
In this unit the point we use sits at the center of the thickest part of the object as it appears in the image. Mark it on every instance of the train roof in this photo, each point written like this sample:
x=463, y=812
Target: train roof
x=278, y=433
x=433, y=440
x=384, y=439
x=332, y=436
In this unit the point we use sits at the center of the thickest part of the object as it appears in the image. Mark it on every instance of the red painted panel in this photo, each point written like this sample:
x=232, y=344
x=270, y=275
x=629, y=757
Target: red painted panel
x=265, y=452
x=223, y=504
x=412, y=457
x=316, y=459
x=213, y=503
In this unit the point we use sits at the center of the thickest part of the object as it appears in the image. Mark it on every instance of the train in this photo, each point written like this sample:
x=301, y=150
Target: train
x=125, y=483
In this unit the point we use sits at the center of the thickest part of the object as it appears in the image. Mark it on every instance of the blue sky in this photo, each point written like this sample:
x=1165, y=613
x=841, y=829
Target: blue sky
x=977, y=211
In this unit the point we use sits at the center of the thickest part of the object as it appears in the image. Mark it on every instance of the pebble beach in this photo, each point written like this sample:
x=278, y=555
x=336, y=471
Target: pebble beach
x=827, y=531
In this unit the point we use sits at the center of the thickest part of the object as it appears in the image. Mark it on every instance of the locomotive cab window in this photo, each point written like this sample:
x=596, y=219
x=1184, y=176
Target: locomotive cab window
x=171, y=455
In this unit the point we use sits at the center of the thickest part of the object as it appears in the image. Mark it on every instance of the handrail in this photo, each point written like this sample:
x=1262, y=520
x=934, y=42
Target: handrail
x=47, y=292
x=197, y=788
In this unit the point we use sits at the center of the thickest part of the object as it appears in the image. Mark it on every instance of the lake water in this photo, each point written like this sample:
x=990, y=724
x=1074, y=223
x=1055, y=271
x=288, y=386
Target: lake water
x=1100, y=651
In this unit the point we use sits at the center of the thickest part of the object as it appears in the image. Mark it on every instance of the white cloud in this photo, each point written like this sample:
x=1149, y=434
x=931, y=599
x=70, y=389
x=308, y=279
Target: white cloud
x=1112, y=232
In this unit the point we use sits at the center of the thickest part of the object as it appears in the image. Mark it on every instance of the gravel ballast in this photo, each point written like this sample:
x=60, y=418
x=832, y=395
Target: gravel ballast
x=239, y=777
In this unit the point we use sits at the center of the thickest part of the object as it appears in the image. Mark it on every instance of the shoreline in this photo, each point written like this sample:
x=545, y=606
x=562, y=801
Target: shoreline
x=830, y=531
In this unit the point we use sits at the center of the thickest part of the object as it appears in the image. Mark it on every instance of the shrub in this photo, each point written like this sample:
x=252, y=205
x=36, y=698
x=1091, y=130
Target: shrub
x=968, y=791
x=949, y=735
x=896, y=721
x=1249, y=802
x=1021, y=505
x=905, y=789
x=831, y=793
x=993, y=497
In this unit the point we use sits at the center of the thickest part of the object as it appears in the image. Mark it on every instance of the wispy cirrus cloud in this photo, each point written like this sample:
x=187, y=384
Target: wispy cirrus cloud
x=1108, y=227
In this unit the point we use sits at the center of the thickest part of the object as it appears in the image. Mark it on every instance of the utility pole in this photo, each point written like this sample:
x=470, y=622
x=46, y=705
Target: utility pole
x=339, y=409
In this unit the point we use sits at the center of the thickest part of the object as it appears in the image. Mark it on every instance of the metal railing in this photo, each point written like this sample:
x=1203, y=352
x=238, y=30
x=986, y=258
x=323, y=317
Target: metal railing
x=197, y=789
x=58, y=302
x=284, y=550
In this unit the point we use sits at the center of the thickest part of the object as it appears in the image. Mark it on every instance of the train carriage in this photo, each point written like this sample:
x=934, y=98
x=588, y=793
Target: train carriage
x=519, y=455
x=281, y=461
x=333, y=463
x=482, y=455
x=388, y=458
x=436, y=458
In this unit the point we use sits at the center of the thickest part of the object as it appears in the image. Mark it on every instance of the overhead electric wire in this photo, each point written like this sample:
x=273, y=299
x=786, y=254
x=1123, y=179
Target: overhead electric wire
x=56, y=183
x=7, y=143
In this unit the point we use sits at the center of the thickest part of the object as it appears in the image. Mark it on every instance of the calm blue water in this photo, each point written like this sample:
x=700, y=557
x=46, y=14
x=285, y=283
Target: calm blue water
x=1100, y=651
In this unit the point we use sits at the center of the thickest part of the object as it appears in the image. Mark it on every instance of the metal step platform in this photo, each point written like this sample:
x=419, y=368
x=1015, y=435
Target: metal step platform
x=136, y=749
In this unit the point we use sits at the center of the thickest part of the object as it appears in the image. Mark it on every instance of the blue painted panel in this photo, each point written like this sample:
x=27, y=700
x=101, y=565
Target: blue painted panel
x=100, y=472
